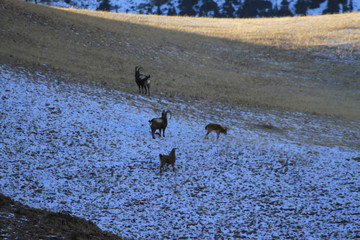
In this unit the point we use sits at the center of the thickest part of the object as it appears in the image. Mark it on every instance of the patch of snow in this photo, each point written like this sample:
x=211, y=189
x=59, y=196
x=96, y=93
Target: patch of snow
x=89, y=152
x=318, y=11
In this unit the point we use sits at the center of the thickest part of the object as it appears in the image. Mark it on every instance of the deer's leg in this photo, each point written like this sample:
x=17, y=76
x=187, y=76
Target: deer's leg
x=162, y=164
x=206, y=136
x=164, y=132
x=218, y=135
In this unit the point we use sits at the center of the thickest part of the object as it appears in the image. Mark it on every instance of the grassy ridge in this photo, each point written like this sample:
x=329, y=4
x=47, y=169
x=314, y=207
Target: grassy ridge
x=306, y=64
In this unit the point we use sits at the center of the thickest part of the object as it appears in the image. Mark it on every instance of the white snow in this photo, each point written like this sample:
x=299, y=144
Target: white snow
x=89, y=152
x=318, y=11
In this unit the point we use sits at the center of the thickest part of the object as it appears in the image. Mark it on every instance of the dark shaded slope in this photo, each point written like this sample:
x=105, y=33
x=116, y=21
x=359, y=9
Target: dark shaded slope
x=18, y=221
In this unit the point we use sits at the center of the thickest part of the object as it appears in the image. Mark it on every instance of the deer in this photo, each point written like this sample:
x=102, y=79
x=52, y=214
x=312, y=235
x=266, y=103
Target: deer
x=213, y=127
x=159, y=123
x=143, y=81
x=168, y=159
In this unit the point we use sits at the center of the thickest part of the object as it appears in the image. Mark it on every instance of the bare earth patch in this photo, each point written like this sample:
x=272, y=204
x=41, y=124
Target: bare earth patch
x=20, y=221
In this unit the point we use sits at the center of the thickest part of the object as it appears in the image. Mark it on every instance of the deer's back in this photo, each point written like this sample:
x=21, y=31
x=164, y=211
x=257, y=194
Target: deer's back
x=213, y=127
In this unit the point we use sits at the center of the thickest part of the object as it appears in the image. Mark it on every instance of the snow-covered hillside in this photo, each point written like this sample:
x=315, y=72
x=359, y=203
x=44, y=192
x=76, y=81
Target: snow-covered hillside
x=221, y=8
x=89, y=152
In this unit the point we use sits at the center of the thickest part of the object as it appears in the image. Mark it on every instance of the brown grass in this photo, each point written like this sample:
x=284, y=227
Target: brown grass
x=291, y=33
x=306, y=64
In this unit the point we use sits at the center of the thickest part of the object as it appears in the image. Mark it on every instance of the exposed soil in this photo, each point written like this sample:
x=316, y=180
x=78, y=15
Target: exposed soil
x=20, y=221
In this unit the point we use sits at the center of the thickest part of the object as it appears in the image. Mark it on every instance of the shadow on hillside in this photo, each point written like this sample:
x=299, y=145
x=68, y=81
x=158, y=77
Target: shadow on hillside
x=19, y=221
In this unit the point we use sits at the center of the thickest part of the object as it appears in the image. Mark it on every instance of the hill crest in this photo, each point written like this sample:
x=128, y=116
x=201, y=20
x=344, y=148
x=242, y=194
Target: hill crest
x=216, y=8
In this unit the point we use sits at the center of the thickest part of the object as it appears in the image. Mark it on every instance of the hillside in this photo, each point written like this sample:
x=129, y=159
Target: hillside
x=78, y=158
x=304, y=64
x=88, y=152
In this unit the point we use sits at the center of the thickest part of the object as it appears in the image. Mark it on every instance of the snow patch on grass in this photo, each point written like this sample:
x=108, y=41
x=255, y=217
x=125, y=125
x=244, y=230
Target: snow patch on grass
x=89, y=152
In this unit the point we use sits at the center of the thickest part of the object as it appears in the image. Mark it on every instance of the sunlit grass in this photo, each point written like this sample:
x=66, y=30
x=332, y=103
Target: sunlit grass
x=288, y=32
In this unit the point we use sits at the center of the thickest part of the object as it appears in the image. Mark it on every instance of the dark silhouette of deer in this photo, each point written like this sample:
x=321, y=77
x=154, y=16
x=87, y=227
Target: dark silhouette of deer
x=212, y=127
x=159, y=123
x=168, y=159
x=143, y=81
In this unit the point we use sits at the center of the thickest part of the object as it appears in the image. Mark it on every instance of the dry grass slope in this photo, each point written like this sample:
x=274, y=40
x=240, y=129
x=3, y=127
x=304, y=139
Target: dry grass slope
x=306, y=64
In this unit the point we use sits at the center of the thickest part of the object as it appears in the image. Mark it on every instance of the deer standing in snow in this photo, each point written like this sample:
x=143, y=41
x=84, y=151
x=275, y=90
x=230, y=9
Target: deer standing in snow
x=168, y=159
x=212, y=127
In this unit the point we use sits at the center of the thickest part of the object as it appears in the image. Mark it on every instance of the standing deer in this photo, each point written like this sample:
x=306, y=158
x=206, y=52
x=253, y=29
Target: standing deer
x=212, y=127
x=143, y=81
x=168, y=159
x=159, y=123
